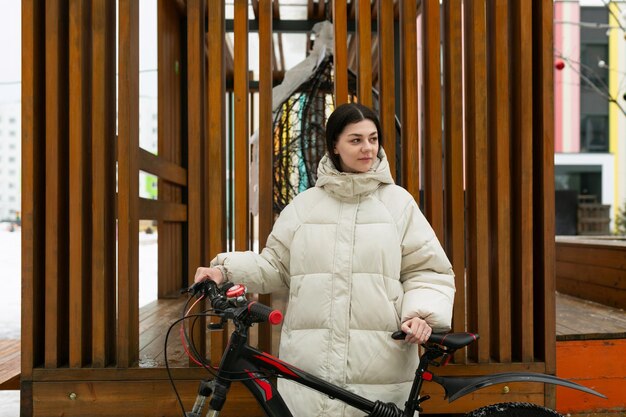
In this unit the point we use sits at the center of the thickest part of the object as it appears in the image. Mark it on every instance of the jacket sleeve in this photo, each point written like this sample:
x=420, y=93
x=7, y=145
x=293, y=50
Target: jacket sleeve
x=268, y=271
x=426, y=273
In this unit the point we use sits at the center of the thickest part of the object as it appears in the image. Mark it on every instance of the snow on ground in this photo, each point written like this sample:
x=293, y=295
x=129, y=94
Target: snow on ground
x=9, y=403
x=10, y=284
x=10, y=278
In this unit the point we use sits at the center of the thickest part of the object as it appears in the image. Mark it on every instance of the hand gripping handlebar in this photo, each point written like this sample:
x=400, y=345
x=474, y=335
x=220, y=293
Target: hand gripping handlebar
x=256, y=312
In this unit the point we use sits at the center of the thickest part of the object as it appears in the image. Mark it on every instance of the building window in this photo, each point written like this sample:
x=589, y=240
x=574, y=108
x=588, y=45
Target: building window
x=594, y=133
x=591, y=57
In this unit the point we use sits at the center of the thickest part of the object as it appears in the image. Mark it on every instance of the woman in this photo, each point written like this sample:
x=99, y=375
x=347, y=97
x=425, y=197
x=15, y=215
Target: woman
x=360, y=261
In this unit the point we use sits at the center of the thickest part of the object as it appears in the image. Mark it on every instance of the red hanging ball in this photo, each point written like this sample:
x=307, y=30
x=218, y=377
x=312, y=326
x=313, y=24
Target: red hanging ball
x=559, y=64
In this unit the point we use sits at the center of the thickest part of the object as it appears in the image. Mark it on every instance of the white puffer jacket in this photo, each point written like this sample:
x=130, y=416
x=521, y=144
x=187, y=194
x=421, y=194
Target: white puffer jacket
x=358, y=258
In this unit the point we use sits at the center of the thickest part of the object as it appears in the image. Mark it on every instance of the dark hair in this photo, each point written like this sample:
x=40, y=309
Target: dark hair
x=344, y=115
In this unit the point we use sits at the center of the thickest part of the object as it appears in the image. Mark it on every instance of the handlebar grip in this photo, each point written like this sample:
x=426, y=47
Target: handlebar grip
x=263, y=313
x=398, y=335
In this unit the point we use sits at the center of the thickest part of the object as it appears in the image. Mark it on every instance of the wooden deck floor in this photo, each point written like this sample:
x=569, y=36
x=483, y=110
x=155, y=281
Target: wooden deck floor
x=9, y=364
x=154, y=321
x=578, y=319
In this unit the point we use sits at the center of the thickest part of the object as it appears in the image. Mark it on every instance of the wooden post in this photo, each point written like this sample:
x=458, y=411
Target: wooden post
x=128, y=185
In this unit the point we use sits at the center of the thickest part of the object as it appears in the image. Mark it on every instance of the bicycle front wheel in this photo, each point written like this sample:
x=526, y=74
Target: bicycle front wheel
x=513, y=410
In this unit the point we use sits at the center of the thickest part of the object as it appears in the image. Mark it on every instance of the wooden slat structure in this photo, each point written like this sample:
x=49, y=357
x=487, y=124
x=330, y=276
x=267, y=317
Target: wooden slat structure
x=474, y=147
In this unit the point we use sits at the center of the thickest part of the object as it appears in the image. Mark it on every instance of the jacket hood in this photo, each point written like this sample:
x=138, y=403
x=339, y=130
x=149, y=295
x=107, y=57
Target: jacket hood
x=347, y=185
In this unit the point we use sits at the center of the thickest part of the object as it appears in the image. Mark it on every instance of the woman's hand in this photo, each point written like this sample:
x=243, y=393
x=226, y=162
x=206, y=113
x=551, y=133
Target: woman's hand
x=417, y=330
x=214, y=274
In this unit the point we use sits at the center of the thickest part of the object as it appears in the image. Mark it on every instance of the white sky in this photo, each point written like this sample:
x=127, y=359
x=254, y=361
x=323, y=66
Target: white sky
x=10, y=50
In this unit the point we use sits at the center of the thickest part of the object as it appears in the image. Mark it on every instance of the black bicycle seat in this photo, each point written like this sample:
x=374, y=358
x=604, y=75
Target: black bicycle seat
x=453, y=340
x=450, y=340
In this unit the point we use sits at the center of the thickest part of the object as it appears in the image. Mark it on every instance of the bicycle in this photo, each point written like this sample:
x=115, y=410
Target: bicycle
x=255, y=369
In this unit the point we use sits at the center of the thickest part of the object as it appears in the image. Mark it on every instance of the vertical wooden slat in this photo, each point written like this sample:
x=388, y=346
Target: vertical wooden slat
x=523, y=174
x=242, y=220
x=230, y=186
x=128, y=185
x=195, y=140
x=216, y=146
x=103, y=179
x=340, y=53
x=409, y=109
x=477, y=174
x=433, y=162
x=499, y=174
x=453, y=127
x=170, y=256
x=364, y=51
x=543, y=119
x=80, y=187
x=33, y=188
x=56, y=183
x=387, y=81
x=543, y=134
x=266, y=214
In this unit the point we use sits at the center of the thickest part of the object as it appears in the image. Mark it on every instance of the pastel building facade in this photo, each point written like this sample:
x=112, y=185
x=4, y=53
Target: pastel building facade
x=590, y=100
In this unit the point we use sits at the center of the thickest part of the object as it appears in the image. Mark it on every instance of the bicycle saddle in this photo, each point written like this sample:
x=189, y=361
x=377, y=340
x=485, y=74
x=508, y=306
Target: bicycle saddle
x=450, y=340
x=453, y=340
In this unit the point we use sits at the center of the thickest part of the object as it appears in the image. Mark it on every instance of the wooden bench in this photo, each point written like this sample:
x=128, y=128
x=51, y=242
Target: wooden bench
x=10, y=364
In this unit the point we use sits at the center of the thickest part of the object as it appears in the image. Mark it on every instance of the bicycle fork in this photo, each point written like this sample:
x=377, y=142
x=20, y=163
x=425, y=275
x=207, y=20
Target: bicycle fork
x=217, y=391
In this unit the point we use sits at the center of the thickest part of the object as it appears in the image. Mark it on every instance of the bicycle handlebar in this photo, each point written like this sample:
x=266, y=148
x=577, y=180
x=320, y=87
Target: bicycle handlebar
x=265, y=313
x=254, y=311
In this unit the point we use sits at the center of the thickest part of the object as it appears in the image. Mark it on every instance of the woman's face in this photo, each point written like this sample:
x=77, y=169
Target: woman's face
x=357, y=146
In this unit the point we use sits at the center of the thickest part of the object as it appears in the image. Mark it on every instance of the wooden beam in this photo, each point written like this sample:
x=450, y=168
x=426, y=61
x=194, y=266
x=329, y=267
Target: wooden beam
x=500, y=177
x=79, y=185
x=171, y=275
x=103, y=172
x=454, y=161
x=340, y=28
x=33, y=191
x=158, y=166
x=364, y=23
x=523, y=180
x=162, y=211
x=266, y=148
x=543, y=118
x=409, y=110
x=477, y=174
x=216, y=140
x=433, y=149
x=196, y=13
x=242, y=219
x=128, y=185
x=387, y=81
x=56, y=93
